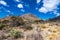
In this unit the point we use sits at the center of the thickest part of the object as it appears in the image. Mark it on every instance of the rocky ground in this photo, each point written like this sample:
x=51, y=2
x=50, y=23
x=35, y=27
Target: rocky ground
x=22, y=28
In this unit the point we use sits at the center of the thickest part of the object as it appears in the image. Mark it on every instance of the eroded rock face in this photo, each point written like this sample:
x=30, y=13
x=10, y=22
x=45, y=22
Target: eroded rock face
x=34, y=35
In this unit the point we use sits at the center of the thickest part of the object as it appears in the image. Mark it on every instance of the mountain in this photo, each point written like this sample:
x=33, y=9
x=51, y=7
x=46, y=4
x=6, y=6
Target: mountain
x=19, y=20
x=29, y=17
x=28, y=27
x=15, y=27
x=55, y=19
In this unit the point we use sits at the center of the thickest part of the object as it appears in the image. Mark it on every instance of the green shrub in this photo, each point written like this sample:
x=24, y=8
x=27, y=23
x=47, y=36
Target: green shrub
x=2, y=26
x=15, y=33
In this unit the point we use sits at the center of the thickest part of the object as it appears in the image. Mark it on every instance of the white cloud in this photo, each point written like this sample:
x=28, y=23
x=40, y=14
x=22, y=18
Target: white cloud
x=7, y=15
x=42, y=9
x=38, y=1
x=8, y=11
x=22, y=10
x=36, y=8
x=3, y=3
x=20, y=6
x=56, y=13
x=17, y=0
x=49, y=5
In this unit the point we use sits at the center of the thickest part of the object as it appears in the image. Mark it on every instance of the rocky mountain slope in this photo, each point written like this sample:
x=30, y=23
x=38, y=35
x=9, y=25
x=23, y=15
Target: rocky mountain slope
x=28, y=27
x=29, y=17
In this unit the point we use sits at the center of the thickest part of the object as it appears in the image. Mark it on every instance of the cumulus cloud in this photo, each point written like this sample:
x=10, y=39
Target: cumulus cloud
x=38, y=1
x=49, y=5
x=3, y=3
x=20, y=6
x=43, y=9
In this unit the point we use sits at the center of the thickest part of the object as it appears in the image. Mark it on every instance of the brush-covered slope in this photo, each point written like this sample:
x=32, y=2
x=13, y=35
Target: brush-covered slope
x=28, y=27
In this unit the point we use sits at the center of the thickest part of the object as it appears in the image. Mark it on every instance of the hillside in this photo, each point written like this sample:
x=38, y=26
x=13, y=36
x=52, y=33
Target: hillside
x=28, y=27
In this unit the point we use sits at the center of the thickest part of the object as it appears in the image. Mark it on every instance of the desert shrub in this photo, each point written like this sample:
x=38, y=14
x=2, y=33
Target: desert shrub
x=2, y=26
x=5, y=21
x=16, y=21
x=27, y=26
x=15, y=33
x=43, y=26
x=38, y=21
x=0, y=20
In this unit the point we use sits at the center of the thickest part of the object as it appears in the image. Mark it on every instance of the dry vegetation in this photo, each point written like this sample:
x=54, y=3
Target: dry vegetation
x=20, y=28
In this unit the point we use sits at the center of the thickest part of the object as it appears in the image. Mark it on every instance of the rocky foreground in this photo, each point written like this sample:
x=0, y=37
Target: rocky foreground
x=28, y=27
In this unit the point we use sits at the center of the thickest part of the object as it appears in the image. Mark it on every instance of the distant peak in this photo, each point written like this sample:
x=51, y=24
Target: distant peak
x=30, y=16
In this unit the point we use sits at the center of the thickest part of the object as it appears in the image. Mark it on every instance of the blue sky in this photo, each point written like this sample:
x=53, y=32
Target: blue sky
x=43, y=9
